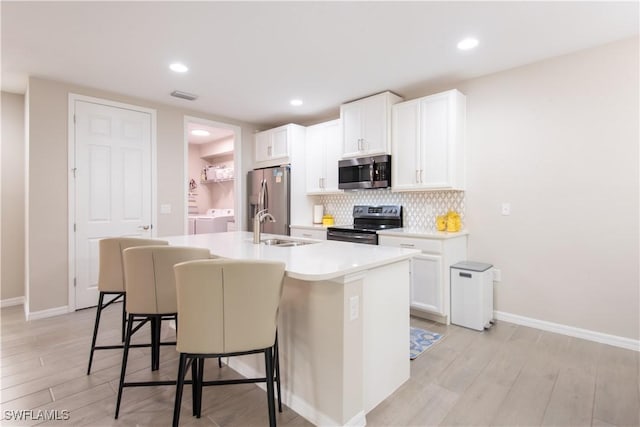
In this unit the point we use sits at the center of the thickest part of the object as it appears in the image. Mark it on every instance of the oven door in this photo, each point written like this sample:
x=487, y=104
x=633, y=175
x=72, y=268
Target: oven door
x=352, y=236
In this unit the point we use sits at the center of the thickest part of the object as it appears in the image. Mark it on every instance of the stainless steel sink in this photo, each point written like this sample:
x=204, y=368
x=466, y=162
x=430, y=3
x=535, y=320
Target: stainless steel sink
x=284, y=243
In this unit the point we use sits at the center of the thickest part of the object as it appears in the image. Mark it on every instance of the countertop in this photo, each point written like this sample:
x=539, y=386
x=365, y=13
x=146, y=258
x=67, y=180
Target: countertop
x=322, y=260
x=398, y=232
x=311, y=227
x=423, y=234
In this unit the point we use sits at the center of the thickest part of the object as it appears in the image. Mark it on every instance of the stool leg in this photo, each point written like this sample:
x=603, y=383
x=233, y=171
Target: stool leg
x=124, y=315
x=95, y=330
x=179, y=387
x=276, y=362
x=200, y=381
x=125, y=355
x=194, y=385
x=156, y=324
x=268, y=361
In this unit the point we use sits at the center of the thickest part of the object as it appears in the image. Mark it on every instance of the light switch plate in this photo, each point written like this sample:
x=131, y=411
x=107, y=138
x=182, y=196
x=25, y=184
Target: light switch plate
x=354, y=307
x=506, y=208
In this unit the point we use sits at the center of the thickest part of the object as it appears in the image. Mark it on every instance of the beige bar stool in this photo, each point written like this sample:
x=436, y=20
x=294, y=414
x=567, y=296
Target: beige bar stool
x=111, y=281
x=151, y=296
x=226, y=308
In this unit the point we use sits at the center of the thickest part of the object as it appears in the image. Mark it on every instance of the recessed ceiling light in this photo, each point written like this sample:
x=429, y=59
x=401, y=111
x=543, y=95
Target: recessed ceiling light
x=178, y=67
x=468, y=43
x=200, y=132
x=296, y=102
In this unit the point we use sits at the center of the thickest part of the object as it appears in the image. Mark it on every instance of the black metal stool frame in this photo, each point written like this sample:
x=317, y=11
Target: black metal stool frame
x=196, y=361
x=155, y=330
x=142, y=319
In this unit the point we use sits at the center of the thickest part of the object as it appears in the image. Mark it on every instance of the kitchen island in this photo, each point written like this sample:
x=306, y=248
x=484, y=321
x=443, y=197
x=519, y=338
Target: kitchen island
x=343, y=326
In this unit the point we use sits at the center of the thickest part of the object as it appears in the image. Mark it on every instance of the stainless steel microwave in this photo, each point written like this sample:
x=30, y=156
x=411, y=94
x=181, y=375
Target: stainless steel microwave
x=365, y=172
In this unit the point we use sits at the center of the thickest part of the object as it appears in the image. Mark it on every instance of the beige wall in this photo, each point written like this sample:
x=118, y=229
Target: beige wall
x=202, y=196
x=12, y=216
x=559, y=140
x=48, y=241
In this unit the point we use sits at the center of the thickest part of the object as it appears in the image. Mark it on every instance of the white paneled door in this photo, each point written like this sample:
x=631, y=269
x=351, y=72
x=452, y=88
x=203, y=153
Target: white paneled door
x=113, y=185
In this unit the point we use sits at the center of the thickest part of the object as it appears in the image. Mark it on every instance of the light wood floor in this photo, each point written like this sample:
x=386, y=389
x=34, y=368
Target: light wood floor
x=510, y=375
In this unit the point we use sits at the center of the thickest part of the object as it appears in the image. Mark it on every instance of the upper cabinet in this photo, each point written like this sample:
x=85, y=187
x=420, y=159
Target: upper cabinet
x=366, y=125
x=323, y=150
x=427, y=149
x=273, y=146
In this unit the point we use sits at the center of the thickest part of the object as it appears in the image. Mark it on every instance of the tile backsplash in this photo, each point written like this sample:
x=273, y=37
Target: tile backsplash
x=419, y=208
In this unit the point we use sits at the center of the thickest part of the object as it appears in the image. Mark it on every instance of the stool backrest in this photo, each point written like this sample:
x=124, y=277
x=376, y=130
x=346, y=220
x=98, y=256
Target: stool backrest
x=227, y=306
x=148, y=271
x=111, y=274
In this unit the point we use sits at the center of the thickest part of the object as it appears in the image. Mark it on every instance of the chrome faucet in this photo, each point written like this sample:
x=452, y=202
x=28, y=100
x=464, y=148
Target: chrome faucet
x=260, y=217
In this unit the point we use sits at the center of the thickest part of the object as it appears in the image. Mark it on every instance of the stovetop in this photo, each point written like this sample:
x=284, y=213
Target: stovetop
x=369, y=219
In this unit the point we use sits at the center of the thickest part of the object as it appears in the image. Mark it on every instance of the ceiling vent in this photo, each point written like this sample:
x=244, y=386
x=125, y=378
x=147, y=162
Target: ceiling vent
x=184, y=95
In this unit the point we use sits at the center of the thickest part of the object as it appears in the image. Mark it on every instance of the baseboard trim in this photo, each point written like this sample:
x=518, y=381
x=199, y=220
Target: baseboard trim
x=614, y=340
x=300, y=406
x=10, y=302
x=42, y=314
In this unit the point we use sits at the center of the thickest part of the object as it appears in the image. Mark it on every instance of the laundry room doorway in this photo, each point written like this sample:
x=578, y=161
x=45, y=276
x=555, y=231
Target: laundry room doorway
x=212, y=190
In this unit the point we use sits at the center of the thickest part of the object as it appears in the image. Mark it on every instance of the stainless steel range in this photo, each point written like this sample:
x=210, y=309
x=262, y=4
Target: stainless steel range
x=367, y=221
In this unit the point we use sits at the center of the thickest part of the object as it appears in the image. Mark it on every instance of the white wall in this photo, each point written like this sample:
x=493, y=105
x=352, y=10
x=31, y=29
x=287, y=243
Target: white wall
x=201, y=193
x=559, y=140
x=12, y=216
x=48, y=241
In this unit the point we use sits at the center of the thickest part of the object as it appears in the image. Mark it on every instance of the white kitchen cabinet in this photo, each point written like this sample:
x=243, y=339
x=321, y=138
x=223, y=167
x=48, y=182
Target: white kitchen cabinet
x=316, y=233
x=323, y=151
x=427, y=144
x=273, y=146
x=366, y=125
x=430, y=278
x=426, y=292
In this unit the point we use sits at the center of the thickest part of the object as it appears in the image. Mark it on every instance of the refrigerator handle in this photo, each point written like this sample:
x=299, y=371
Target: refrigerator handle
x=266, y=195
x=260, y=205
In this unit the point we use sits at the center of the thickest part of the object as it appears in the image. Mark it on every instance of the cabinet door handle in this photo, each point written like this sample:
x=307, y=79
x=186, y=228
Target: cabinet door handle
x=417, y=175
x=407, y=245
x=322, y=182
x=421, y=175
x=269, y=151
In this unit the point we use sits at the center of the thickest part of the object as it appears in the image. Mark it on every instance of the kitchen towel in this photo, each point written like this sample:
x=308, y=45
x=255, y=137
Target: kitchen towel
x=421, y=340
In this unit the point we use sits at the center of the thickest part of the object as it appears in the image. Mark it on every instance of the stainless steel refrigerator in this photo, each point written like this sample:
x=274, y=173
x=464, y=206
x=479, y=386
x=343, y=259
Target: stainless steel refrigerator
x=270, y=189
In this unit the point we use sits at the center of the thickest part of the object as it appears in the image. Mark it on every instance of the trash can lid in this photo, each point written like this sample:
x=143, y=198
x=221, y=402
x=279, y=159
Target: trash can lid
x=472, y=266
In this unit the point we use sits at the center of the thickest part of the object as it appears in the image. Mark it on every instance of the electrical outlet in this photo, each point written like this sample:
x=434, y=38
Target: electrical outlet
x=165, y=208
x=354, y=307
x=506, y=208
x=497, y=275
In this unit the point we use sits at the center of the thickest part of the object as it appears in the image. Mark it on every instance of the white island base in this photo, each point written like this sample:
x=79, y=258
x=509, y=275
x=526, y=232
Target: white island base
x=343, y=327
x=344, y=344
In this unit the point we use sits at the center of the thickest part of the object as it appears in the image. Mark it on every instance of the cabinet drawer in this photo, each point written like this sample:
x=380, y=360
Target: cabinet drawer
x=425, y=245
x=309, y=234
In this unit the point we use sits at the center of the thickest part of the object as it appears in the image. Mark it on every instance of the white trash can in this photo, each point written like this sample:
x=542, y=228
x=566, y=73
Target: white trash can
x=472, y=295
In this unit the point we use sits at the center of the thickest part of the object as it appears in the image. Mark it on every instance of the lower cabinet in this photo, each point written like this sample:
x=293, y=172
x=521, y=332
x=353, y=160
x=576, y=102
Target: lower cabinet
x=426, y=284
x=430, y=278
x=309, y=233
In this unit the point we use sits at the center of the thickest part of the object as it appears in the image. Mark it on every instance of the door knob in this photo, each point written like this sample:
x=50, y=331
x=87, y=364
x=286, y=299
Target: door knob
x=144, y=227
